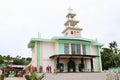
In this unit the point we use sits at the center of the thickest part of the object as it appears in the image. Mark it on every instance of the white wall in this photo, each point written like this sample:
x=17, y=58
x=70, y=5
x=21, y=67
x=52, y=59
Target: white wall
x=95, y=64
x=88, y=65
x=47, y=49
x=34, y=55
x=56, y=46
x=93, y=50
x=47, y=62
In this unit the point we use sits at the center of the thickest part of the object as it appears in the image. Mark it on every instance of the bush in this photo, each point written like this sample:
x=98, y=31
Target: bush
x=33, y=76
x=27, y=77
x=1, y=77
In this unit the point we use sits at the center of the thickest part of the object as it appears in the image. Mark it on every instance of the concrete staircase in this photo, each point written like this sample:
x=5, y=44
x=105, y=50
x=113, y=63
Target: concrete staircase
x=75, y=76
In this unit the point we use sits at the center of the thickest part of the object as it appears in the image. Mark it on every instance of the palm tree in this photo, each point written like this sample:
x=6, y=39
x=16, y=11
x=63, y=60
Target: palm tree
x=110, y=56
x=113, y=47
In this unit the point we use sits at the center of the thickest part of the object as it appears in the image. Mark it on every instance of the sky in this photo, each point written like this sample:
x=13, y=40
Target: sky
x=21, y=20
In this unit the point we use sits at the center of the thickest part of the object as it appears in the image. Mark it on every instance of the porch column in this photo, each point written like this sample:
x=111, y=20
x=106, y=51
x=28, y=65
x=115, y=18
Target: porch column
x=91, y=60
x=58, y=63
x=82, y=64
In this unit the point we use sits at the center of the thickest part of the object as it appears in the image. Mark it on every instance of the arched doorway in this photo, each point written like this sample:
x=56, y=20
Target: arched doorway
x=71, y=66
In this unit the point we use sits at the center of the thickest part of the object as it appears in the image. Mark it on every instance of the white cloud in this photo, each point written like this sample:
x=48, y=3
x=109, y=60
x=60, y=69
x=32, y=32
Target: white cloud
x=22, y=19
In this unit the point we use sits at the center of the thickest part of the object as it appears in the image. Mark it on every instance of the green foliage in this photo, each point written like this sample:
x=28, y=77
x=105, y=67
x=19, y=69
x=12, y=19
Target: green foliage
x=83, y=69
x=1, y=77
x=110, y=56
x=28, y=59
x=34, y=76
x=21, y=61
x=71, y=69
x=18, y=60
x=1, y=60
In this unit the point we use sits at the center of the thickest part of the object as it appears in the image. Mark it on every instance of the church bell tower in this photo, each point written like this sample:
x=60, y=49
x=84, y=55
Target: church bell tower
x=71, y=27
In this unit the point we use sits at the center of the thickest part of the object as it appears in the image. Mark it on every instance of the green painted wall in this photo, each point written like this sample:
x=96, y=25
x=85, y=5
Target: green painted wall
x=61, y=48
x=98, y=58
x=88, y=49
x=38, y=55
x=61, y=45
x=74, y=42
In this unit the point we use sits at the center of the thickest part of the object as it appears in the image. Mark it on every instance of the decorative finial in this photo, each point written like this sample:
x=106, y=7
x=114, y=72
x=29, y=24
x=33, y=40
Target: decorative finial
x=70, y=10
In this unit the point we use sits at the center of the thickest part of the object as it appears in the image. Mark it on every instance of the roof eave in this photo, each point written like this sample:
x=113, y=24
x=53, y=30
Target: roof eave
x=99, y=44
x=33, y=40
x=72, y=38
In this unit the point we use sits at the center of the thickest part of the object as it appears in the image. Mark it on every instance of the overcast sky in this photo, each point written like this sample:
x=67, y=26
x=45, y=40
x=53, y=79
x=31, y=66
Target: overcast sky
x=20, y=20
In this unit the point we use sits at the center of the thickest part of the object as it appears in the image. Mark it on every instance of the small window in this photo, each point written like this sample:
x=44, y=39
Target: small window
x=66, y=48
x=75, y=49
x=84, y=49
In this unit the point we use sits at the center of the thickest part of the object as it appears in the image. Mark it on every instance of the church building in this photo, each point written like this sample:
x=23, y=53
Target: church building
x=68, y=53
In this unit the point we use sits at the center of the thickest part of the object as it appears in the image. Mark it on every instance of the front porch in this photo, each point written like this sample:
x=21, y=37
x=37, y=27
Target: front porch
x=74, y=63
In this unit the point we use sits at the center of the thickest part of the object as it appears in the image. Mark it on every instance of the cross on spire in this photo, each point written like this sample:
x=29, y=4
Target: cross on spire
x=70, y=10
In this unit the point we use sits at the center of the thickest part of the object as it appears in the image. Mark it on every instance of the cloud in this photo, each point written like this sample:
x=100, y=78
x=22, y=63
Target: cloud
x=23, y=19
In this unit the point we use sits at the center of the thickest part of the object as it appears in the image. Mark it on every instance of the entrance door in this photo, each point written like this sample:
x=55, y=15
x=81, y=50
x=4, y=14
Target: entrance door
x=71, y=66
x=61, y=67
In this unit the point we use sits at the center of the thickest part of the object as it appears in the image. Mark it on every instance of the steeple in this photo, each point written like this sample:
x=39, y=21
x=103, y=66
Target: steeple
x=71, y=28
x=71, y=22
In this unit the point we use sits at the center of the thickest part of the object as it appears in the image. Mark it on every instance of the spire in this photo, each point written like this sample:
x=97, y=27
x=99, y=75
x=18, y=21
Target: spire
x=70, y=19
x=71, y=25
x=70, y=10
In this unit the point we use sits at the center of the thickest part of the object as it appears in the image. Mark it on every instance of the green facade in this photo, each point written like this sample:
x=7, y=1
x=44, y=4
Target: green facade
x=88, y=49
x=73, y=41
x=62, y=42
x=61, y=48
x=98, y=58
x=38, y=55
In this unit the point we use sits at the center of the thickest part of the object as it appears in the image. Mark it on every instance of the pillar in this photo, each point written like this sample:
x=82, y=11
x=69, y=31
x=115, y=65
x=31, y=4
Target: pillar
x=92, y=68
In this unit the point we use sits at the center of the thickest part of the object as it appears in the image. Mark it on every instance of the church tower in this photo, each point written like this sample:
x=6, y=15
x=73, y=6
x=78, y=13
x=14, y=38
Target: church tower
x=71, y=28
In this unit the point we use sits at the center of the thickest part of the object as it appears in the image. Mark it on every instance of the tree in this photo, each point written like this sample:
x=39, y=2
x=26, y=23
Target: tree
x=29, y=59
x=8, y=60
x=113, y=47
x=18, y=60
x=1, y=60
x=110, y=56
x=105, y=56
